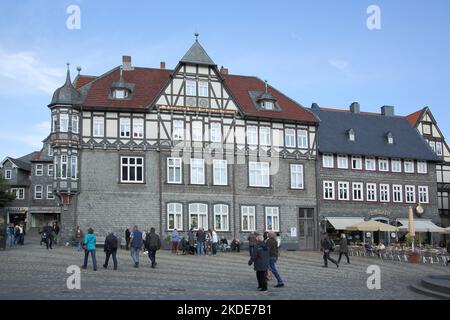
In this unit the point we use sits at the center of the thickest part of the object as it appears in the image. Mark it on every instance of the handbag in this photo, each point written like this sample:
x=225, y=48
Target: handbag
x=269, y=275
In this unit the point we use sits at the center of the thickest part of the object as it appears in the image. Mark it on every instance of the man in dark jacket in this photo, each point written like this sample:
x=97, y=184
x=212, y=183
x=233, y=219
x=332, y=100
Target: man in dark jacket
x=201, y=239
x=152, y=244
x=260, y=260
x=46, y=236
x=326, y=248
x=127, y=238
x=251, y=242
x=136, y=245
x=110, y=248
x=343, y=248
x=272, y=245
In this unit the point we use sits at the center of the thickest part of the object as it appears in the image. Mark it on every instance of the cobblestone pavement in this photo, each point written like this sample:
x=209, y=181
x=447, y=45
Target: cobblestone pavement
x=32, y=272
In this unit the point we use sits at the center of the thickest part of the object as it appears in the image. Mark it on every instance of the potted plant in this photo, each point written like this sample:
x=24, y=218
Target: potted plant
x=414, y=257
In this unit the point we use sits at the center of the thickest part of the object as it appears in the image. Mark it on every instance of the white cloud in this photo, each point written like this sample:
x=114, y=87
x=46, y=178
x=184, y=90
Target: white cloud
x=339, y=64
x=24, y=72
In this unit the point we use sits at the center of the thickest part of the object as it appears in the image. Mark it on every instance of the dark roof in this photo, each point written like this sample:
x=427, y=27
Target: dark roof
x=67, y=94
x=197, y=55
x=241, y=88
x=371, y=131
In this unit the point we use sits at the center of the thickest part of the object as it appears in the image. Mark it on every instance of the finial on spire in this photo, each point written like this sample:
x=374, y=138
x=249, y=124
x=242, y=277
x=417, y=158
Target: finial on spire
x=79, y=70
x=196, y=36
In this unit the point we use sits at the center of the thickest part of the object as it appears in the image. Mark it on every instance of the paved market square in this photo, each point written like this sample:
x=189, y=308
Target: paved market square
x=32, y=272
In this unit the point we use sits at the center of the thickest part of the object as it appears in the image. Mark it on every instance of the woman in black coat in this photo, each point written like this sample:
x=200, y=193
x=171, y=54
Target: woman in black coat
x=260, y=261
x=343, y=248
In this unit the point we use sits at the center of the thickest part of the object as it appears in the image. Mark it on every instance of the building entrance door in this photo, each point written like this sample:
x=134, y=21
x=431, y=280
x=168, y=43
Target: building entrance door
x=306, y=229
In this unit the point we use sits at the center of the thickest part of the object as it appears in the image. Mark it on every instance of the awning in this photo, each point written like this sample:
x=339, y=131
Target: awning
x=341, y=223
x=372, y=225
x=421, y=225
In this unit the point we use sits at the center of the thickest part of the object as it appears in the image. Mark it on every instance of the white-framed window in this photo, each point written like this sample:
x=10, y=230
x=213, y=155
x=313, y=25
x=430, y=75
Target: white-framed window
x=272, y=219
x=383, y=164
x=328, y=161
x=99, y=127
x=351, y=135
x=370, y=164
x=423, y=194
x=138, y=128
x=357, y=190
x=248, y=218
x=203, y=89
x=174, y=216
x=390, y=139
x=252, y=135
x=50, y=194
x=197, y=131
x=342, y=161
x=264, y=136
x=54, y=122
x=75, y=123
x=38, y=192
x=297, y=176
x=64, y=164
x=120, y=94
x=50, y=151
x=289, y=138
x=422, y=167
x=63, y=122
x=268, y=105
x=357, y=162
x=50, y=169
x=396, y=165
x=125, y=127
x=198, y=216
x=426, y=128
x=74, y=167
x=328, y=190
x=220, y=169
x=439, y=148
x=397, y=193
x=8, y=174
x=343, y=190
x=221, y=217
x=174, y=170
x=19, y=192
x=408, y=166
x=178, y=130
x=39, y=170
x=432, y=145
x=216, y=132
x=410, y=194
x=302, y=139
x=371, y=192
x=191, y=88
x=259, y=174
x=384, y=193
x=197, y=171
x=132, y=169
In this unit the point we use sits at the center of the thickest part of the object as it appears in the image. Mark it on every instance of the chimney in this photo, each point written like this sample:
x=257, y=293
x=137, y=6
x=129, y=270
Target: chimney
x=223, y=71
x=355, y=108
x=387, y=111
x=162, y=65
x=315, y=106
x=126, y=63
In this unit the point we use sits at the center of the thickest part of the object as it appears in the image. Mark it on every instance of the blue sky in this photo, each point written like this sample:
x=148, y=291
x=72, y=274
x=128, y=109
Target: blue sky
x=314, y=51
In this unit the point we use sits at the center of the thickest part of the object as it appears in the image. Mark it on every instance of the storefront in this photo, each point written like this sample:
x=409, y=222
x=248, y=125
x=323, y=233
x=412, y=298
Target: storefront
x=17, y=215
x=42, y=216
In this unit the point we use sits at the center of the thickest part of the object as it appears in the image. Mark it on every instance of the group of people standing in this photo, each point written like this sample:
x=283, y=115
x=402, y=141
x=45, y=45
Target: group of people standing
x=264, y=255
x=15, y=235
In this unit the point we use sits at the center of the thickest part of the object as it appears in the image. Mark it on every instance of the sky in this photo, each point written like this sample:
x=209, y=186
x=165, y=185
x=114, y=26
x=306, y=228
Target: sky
x=313, y=51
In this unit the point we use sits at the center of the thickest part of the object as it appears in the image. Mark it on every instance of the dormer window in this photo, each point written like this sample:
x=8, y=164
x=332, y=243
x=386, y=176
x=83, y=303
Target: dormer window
x=390, y=138
x=120, y=94
x=351, y=135
x=267, y=105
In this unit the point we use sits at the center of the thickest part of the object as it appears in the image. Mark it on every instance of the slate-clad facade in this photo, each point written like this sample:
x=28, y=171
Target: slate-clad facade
x=193, y=146
x=373, y=166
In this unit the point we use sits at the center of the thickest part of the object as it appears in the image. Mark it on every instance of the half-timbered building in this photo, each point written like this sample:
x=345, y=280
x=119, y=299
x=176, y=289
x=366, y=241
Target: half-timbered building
x=190, y=147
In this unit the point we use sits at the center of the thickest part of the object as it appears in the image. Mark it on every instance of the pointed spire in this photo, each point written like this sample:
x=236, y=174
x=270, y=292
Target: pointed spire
x=68, y=73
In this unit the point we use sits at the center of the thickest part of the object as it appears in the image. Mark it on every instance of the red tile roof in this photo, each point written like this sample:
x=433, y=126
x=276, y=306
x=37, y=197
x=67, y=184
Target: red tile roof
x=82, y=80
x=240, y=86
x=148, y=82
x=414, y=117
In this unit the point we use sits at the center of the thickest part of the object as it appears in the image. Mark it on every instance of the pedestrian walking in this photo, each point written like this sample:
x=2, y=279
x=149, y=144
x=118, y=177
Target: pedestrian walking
x=56, y=229
x=127, y=238
x=251, y=242
x=214, y=242
x=10, y=235
x=175, y=238
x=45, y=236
x=135, y=245
x=90, y=243
x=152, y=244
x=272, y=246
x=343, y=248
x=110, y=248
x=327, y=246
x=201, y=239
x=79, y=238
x=260, y=260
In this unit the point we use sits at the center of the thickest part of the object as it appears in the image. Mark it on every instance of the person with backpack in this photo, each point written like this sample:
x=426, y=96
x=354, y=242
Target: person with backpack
x=152, y=244
x=327, y=246
x=135, y=245
x=90, y=243
x=343, y=248
x=110, y=248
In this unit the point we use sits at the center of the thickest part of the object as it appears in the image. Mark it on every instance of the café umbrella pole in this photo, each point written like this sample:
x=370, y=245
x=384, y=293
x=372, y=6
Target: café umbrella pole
x=411, y=228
